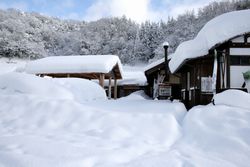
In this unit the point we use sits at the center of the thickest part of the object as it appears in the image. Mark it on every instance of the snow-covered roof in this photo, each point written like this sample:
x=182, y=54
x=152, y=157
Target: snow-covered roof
x=155, y=63
x=133, y=78
x=74, y=64
x=216, y=31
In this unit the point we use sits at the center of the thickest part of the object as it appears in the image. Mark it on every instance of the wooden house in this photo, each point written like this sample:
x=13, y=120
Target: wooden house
x=161, y=83
x=92, y=67
x=215, y=60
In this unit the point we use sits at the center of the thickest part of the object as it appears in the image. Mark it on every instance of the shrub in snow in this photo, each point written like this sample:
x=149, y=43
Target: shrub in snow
x=247, y=79
x=82, y=89
x=13, y=83
x=235, y=98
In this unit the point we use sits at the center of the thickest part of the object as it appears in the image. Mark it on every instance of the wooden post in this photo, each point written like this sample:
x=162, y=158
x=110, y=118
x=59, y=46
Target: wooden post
x=101, y=80
x=109, y=91
x=68, y=75
x=115, y=89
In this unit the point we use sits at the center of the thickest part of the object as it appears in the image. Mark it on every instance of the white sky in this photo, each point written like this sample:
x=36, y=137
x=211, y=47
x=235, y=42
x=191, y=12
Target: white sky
x=138, y=10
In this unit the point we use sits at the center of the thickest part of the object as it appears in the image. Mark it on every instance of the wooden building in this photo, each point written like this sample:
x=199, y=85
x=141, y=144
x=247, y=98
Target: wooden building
x=161, y=83
x=217, y=66
x=92, y=67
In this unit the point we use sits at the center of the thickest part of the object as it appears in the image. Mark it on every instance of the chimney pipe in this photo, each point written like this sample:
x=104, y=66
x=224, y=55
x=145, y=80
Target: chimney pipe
x=165, y=46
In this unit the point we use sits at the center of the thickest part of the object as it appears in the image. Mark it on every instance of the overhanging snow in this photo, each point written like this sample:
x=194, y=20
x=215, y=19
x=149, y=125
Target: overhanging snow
x=216, y=31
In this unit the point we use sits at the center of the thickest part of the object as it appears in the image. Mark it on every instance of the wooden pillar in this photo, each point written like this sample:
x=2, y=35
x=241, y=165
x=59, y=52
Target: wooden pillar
x=115, y=88
x=101, y=80
x=109, y=91
x=68, y=75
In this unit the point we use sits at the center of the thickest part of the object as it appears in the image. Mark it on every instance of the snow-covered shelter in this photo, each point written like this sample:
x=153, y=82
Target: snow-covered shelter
x=215, y=59
x=99, y=67
x=161, y=83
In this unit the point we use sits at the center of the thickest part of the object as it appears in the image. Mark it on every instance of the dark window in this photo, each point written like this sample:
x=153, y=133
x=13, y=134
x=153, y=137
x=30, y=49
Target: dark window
x=245, y=60
x=240, y=60
x=235, y=60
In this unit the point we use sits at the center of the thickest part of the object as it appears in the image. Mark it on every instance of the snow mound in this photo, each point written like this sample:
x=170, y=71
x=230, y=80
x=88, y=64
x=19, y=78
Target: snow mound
x=82, y=89
x=138, y=95
x=63, y=88
x=218, y=30
x=216, y=136
x=61, y=133
x=235, y=98
x=12, y=65
x=21, y=83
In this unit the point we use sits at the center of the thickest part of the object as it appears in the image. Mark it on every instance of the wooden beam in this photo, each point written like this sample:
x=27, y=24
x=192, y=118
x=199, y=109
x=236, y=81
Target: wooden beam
x=115, y=88
x=101, y=80
x=109, y=90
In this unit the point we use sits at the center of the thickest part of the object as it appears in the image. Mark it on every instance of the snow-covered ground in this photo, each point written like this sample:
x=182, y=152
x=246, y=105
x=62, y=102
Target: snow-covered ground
x=40, y=128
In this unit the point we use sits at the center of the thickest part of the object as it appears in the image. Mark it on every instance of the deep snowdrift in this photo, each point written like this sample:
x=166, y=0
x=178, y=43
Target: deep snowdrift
x=60, y=132
x=67, y=88
x=133, y=131
x=234, y=98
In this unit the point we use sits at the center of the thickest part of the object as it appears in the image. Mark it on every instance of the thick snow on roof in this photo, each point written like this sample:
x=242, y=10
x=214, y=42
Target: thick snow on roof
x=153, y=64
x=216, y=31
x=74, y=64
x=133, y=76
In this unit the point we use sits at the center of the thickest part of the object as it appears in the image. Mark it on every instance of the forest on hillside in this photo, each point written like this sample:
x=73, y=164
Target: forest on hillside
x=32, y=35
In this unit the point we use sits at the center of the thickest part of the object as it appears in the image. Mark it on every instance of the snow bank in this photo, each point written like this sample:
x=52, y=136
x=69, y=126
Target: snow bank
x=60, y=133
x=12, y=65
x=211, y=136
x=216, y=31
x=65, y=88
x=216, y=136
x=82, y=89
x=20, y=83
x=136, y=96
x=235, y=98
x=74, y=64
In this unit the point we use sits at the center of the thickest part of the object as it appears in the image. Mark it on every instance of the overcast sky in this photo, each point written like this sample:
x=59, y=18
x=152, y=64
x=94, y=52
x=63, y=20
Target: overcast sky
x=88, y=10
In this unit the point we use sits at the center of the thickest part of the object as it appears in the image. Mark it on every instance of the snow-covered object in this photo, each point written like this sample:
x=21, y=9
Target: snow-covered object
x=165, y=44
x=133, y=76
x=65, y=88
x=216, y=31
x=74, y=64
x=27, y=84
x=12, y=65
x=82, y=89
x=38, y=132
x=235, y=98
